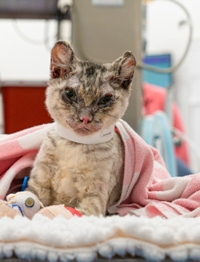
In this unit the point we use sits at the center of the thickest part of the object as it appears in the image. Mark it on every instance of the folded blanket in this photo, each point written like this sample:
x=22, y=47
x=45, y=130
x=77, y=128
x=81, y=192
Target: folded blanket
x=17, y=154
x=147, y=189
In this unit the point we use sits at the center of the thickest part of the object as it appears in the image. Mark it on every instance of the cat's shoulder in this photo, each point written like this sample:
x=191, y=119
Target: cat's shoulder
x=53, y=140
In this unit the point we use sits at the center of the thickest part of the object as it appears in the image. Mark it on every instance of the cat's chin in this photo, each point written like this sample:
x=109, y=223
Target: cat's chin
x=83, y=131
x=87, y=129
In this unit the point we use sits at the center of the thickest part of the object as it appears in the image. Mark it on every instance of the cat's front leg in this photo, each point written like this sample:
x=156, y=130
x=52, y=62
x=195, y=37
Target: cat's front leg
x=44, y=168
x=93, y=204
x=40, y=184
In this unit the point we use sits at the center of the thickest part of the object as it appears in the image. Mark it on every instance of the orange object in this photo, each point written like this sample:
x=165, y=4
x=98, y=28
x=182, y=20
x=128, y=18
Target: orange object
x=23, y=105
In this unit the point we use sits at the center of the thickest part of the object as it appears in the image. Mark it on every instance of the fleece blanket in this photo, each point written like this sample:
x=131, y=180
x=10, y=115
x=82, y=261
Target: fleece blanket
x=149, y=196
x=85, y=239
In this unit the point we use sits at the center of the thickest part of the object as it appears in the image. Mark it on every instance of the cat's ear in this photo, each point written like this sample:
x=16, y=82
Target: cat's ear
x=124, y=68
x=62, y=59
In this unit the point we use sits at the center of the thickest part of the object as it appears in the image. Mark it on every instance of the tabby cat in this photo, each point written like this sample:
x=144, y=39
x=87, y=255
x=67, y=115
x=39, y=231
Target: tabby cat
x=80, y=162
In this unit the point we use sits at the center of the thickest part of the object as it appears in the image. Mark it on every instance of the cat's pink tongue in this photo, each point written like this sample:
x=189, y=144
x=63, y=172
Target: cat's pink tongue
x=85, y=120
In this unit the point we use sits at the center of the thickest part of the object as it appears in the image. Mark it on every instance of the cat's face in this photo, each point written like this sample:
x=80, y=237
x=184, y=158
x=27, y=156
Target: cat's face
x=84, y=96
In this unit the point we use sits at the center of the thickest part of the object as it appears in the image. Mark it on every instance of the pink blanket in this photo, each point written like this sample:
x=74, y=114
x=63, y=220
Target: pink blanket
x=147, y=190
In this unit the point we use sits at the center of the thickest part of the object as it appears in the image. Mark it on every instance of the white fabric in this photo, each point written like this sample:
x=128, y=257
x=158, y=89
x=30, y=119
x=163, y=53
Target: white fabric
x=85, y=238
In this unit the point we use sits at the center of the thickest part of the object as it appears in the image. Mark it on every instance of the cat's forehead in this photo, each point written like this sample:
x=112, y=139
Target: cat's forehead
x=91, y=75
x=84, y=84
x=73, y=81
x=91, y=70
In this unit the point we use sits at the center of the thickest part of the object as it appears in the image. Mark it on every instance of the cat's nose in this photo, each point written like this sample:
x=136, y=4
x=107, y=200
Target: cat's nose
x=85, y=119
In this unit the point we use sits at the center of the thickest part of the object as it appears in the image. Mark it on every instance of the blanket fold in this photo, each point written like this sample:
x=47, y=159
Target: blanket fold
x=147, y=189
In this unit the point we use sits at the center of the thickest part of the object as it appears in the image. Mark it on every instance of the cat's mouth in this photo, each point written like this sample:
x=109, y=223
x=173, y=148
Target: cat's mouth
x=85, y=129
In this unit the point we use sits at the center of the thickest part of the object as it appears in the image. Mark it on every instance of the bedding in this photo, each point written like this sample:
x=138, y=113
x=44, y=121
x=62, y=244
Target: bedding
x=157, y=216
x=88, y=238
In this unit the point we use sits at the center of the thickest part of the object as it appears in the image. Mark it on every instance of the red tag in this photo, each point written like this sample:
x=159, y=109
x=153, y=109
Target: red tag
x=74, y=211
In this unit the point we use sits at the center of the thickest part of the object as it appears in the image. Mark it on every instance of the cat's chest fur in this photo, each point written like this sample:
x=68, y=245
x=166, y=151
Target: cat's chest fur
x=79, y=170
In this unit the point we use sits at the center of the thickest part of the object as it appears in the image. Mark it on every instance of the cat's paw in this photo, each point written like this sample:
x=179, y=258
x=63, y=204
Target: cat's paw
x=87, y=212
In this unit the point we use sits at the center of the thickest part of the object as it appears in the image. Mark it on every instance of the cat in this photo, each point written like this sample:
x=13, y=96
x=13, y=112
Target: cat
x=80, y=163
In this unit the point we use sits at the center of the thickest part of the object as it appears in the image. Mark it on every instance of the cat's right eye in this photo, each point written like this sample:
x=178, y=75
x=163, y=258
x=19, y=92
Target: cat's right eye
x=70, y=94
x=105, y=99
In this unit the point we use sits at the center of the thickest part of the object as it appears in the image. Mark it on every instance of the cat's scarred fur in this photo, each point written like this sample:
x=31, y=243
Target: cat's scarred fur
x=86, y=98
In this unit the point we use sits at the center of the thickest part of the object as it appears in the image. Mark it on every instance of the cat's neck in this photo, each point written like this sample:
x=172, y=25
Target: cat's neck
x=99, y=137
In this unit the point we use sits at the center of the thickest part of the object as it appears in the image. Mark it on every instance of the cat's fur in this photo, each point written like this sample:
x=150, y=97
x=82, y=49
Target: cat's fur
x=84, y=97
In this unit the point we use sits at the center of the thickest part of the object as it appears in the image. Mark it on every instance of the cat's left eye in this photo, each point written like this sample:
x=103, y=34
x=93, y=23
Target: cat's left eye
x=70, y=93
x=104, y=100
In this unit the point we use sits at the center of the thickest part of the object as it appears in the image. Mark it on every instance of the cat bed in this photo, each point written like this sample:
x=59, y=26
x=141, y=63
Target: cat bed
x=158, y=216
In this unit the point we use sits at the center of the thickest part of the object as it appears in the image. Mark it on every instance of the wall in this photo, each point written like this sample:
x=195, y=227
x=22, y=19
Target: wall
x=166, y=33
x=25, y=50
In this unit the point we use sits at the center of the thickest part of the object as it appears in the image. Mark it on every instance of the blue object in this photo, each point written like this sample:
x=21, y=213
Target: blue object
x=18, y=207
x=158, y=79
x=182, y=169
x=155, y=131
x=24, y=184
